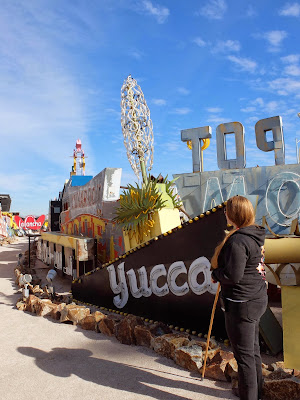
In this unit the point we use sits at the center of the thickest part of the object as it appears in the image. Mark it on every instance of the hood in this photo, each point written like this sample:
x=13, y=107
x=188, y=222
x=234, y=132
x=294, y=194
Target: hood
x=256, y=232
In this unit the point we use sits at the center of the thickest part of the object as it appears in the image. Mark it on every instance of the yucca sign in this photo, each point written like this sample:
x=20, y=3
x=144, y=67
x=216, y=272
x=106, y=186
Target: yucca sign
x=30, y=222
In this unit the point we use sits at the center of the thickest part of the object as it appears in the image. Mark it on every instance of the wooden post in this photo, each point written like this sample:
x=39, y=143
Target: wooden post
x=210, y=328
x=95, y=253
x=29, y=252
x=77, y=259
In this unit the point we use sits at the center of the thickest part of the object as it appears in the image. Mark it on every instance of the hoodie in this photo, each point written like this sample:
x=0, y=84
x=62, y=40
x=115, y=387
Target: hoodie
x=240, y=265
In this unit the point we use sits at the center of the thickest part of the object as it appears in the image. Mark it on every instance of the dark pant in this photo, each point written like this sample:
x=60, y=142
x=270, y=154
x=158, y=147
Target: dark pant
x=242, y=326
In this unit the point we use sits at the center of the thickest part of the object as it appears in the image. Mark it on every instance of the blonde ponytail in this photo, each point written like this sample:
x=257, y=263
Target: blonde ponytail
x=240, y=211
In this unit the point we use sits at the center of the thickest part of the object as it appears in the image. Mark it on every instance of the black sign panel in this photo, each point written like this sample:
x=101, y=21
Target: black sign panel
x=166, y=280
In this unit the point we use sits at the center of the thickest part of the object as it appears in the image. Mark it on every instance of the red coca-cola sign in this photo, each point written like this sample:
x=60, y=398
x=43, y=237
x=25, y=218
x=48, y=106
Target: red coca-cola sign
x=30, y=222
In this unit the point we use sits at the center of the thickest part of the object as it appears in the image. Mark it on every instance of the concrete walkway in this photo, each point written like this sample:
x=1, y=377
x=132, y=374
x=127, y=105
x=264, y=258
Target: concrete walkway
x=43, y=359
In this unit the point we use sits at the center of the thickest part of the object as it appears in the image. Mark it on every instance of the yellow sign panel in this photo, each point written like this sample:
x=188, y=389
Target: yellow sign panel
x=290, y=296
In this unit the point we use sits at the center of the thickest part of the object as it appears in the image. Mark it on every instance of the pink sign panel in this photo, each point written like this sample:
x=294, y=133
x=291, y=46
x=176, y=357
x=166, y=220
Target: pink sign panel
x=30, y=222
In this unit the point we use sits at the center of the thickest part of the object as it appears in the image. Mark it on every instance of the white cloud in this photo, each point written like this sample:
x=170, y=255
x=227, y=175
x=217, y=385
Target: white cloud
x=245, y=64
x=159, y=102
x=258, y=101
x=293, y=70
x=272, y=106
x=285, y=86
x=215, y=119
x=290, y=59
x=290, y=112
x=259, y=105
x=183, y=91
x=159, y=12
x=252, y=120
x=290, y=10
x=199, y=42
x=253, y=104
x=274, y=39
x=214, y=109
x=182, y=111
x=214, y=9
x=248, y=109
x=225, y=46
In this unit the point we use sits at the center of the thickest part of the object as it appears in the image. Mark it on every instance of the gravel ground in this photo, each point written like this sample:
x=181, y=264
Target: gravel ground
x=41, y=358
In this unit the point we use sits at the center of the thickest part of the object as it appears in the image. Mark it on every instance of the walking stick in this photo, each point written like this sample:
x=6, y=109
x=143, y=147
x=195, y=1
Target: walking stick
x=210, y=328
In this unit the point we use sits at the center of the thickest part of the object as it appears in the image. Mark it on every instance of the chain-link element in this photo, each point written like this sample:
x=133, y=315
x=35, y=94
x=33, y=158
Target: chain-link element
x=136, y=127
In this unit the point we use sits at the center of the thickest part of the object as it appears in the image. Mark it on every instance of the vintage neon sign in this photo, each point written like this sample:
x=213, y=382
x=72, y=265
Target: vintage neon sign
x=30, y=222
x=148, y=286
x=273, y=124
x=274, y=190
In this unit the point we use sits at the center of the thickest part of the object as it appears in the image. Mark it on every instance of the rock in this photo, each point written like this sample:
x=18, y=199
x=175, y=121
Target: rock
x=88, y=323
x=231, y=370
x=200, y=343
x=279, y=373
x=159, y=329
x=280, y=365
x=167, y=344
x=282, y=389
x=18, y=274
x=44, y=307
x=31, y=302
x=216, y=367
x=56, y=312
x=21, y=305
x=274, y=366
x=37, y=289
x=46, y=292
x=212, y=345
x=107, y=325
x=265, y=371
x=210, y=354
x=98, y=316
x=142, y=335
x=189, y=357
x=74, y=313
x=124, y=330
x=296, y=373
x=66, y=298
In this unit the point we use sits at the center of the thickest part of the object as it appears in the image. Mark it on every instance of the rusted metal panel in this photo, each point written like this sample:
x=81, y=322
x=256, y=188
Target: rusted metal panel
x=276, y=190
x=97, y=197
x=85, y=244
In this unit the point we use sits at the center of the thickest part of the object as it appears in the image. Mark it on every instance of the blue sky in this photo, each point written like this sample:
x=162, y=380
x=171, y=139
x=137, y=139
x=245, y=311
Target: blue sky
x=198, y=62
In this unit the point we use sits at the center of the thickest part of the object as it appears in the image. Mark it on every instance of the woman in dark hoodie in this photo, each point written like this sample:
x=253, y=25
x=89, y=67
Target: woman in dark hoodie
x=238, y=265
